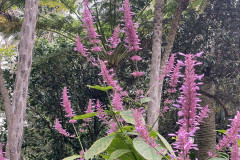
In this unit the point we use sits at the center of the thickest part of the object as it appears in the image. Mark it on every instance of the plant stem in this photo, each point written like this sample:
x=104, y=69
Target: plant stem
x=78, y=136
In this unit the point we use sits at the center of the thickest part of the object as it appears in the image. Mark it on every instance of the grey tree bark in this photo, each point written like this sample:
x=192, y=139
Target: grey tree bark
x=15, y=109
x=156, y=92
x=206, y=136
x=154, y=106
x=182, y=5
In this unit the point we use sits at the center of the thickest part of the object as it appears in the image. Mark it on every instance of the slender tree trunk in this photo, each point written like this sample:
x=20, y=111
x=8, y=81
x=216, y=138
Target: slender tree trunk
x=156, y=92
x=182, y=5
x=154, y=106
x=19, y=100
x=206, y=135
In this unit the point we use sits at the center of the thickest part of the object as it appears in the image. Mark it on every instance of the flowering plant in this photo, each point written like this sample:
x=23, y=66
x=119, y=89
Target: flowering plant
x=128, y=137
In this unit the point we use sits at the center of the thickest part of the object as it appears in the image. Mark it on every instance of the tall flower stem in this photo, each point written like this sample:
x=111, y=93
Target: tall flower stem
x=78, y=136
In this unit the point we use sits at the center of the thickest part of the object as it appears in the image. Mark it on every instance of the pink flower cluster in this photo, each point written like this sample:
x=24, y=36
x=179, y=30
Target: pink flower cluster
x=69, y=113
x=66, y=104
x=137, y=74
x=142, y=128
x=231, y=138
x=115, y=40
x=62, y=131
x=80, y=47
x=88, y=24
x=117, y=101
x=175, y=75
x=136, y=58
x=184, y=143
x=130, y=28
x=188, y=105
x=101, y=114
x=89, y=110
x=108, y=77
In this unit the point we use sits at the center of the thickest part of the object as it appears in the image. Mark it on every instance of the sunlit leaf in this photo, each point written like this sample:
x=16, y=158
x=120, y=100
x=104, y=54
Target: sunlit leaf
x=97, y=87
x=85, y=116
x=99, y=146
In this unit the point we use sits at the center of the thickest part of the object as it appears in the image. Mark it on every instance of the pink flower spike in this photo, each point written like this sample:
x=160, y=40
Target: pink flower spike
x=231, y=134
x=142, y=128
x=96, y=49
x=89, y=110
x=79, y=47
x=137, y=74
x=117, y=101
x=136, y=58
x=58, y=127
x=88, y=24
x=130, y=28
x=108, y=77
x=175, y=75
x=66, y=104
x=170, y=64
x=115, y=40
x=101, y=114
x=72, y=121
x=112, y=127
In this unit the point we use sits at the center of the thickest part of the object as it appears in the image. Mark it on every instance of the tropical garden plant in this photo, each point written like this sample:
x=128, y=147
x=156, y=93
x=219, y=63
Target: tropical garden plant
x=128, y=136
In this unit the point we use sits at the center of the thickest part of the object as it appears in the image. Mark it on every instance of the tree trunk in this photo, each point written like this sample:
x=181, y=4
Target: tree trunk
x=206, y=135
x=154, y=106
x=156, y=92
x=182, y=5
x=19, y=101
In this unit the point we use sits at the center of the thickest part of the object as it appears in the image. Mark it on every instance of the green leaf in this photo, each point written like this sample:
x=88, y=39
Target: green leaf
x=222, y=131
x=104, y=156
x=128, y=116
x=218, y=158
x=120, y=142
x=145, y=150
x=118, y=153
x=97, y=87
x=166, y=144
x=145, y=100
x=85, y=116
x=72, y=157
x=99, y=146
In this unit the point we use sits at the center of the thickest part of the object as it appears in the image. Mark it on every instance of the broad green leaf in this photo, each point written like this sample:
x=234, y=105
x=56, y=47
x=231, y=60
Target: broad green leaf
x=97, y=87
x=118, y=153
x=167, y=145
x=145, y=100
x=85, y=116
x=128, y=116
x=99, y=146
x=119, y=142
x=145, y=150
x=72, y=157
